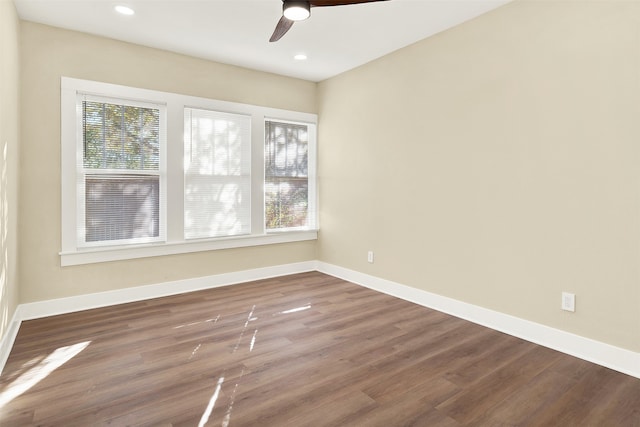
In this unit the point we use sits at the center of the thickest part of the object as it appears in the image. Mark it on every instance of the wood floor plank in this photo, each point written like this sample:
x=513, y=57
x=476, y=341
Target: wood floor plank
x=301, y=350
x=491, y=391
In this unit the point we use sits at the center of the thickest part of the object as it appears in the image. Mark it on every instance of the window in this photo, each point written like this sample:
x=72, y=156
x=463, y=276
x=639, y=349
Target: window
x=120, y=172
x=217, y=167
x=286, y=176
x=148, y=173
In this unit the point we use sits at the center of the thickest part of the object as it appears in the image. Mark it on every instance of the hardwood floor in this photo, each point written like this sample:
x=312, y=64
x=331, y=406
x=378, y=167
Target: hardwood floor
x=301, y=350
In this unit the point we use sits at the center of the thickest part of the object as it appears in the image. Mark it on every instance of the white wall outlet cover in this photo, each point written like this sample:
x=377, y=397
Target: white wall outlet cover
x=568, y=301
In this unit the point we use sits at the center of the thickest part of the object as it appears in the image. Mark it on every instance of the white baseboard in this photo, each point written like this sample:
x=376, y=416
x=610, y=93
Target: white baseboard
x=625, y=361
x=53, y=307
x=9, y=338
x=35, y=310
x=619, y=359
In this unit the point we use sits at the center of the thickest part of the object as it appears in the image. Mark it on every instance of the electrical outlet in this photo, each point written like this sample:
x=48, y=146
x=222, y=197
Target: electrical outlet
x=370, y=257
x=568, y=301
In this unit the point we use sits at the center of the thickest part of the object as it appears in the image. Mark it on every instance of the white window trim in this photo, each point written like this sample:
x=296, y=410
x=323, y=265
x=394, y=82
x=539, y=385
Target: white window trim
x=175, y=243
x=311, y=171
x=80, y=180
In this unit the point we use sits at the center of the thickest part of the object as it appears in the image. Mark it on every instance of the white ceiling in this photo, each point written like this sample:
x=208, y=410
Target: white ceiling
x=335, y=39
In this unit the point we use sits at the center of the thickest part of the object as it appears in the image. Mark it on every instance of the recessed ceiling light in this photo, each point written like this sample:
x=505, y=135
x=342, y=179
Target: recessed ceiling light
x=300, y=57
x=124, y=10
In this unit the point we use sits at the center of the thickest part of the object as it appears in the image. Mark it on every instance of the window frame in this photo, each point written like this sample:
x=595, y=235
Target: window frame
x=173, y=213
x=83, y=172
x=242, y=179
x=312, y=211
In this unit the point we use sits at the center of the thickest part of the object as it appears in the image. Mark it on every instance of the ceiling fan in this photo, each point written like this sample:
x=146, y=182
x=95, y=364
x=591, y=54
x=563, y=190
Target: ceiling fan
x=294, y=10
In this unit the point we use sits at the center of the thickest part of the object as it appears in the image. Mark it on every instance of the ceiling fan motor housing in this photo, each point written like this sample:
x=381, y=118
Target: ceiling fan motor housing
x=296, y=10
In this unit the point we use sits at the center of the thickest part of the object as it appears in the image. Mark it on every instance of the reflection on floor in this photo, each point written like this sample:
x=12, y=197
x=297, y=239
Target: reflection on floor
x=301, y=350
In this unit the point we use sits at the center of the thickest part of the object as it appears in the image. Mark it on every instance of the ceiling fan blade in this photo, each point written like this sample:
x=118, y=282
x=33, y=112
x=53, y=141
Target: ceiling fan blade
x=283, y=26
x=321, y=3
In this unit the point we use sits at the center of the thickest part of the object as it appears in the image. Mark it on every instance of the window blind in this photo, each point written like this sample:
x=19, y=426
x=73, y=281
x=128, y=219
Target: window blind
x=122, y=207
x=120, y=173
x=217, y=174
x=120, y=136
x=286, y=176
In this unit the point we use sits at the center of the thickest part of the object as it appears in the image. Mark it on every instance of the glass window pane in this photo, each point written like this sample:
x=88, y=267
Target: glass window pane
x=286, y=175
x=120, y=136
x=217, y=174
x=121, y=207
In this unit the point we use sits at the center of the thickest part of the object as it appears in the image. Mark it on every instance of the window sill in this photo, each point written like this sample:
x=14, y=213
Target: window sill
x=95, y=255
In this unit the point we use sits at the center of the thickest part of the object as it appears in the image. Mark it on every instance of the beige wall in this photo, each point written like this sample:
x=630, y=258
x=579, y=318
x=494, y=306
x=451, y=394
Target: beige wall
x=49, y=53
x=9, y=146
x=497, y=163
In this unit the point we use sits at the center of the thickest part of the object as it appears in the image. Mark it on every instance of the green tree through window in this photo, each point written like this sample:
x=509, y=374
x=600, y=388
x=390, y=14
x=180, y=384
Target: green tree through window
x=286, y=175
x=121, y=159
x=120, y=136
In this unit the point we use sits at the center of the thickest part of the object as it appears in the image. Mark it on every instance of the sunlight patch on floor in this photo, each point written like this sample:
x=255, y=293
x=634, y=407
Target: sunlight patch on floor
x=297, y=309
x=212, y=404
x=227, y=416
x=250, y=318
x=40, y=371
x=253, y=340
x=198, y=323
x=195, y=350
